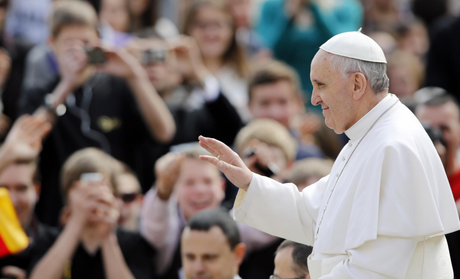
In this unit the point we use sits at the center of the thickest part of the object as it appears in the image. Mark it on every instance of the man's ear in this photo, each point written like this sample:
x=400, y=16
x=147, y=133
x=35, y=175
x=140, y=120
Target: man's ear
x=240, y=251
x=359, y=85
x=223, y=182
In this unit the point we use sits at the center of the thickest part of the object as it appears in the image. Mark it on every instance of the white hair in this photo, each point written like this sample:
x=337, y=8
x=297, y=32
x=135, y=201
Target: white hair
x=375, y=73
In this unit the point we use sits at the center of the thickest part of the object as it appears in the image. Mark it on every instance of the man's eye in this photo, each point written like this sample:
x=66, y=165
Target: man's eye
x=22, y=189
x=210, y=257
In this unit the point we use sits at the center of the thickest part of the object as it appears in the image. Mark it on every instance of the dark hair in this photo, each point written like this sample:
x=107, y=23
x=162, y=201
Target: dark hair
x=441, y=100
x=148, y=18
x=206, y=219
x=273, y=71
x=299, y=255
x=434, y=96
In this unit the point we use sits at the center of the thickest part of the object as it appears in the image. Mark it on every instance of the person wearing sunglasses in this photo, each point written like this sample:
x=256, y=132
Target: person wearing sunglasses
x=130, y=198
x=291, y=261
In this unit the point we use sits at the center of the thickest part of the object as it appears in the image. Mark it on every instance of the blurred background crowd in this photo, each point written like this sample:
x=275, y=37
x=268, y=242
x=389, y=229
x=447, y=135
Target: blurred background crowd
x=103, y=101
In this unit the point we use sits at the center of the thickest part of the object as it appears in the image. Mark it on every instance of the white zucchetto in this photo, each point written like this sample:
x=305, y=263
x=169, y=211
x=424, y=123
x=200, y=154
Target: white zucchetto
x=355, y=45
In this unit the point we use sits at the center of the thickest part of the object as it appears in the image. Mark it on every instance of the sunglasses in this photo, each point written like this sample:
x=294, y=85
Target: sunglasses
x=128, y=198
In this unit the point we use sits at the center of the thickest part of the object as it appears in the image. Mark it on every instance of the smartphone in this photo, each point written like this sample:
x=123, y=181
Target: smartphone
x=91, y=177
x=95, y=55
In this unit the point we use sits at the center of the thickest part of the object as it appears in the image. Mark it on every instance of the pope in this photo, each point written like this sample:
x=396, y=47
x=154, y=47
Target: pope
x=385, y=207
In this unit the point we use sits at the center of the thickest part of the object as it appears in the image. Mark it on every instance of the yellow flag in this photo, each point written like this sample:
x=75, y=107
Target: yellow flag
x=13, y=239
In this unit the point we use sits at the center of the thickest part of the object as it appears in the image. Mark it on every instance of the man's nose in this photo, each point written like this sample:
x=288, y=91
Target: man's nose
x=201, y=188
x=275, y=112
x=198, y=266
x=15, y=200
x=315, y=99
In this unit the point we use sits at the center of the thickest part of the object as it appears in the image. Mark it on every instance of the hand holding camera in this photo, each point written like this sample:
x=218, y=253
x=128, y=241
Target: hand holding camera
x=73, y=65
x=119, y=63
x=188, y=58
x=92, y=203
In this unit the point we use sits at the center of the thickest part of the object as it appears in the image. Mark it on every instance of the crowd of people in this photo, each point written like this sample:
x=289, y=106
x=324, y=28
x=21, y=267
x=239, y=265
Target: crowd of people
x=103, y=101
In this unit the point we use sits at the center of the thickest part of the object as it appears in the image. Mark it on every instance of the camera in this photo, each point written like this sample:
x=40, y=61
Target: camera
x=434, y=134
x=95, y=55
x=153, y=55
x=270, y=170
x=91, y=177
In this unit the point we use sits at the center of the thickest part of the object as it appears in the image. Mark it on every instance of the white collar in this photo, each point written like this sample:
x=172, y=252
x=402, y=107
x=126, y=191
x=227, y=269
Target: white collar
x=363, y=125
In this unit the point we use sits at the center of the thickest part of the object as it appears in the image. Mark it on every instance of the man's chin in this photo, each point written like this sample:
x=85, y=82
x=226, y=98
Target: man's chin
x=329, y=124
x=333, y=127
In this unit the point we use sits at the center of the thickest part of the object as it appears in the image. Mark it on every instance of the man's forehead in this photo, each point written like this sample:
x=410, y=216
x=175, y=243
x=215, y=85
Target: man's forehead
x=17, y=172
x=320, y=65
x=214, y=238
x=195, y=166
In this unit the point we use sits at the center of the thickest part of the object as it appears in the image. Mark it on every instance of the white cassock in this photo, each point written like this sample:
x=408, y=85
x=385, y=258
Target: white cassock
x=381, y=213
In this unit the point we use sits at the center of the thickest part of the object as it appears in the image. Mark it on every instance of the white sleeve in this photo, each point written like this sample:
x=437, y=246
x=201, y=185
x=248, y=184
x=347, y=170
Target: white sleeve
x=382, y=258
x=160, y=227
x=280, y=209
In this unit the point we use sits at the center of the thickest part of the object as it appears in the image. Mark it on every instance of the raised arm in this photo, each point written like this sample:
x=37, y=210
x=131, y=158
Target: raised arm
x=156, y=115
x=24, y=141
x=159, y=218
x=265, y=204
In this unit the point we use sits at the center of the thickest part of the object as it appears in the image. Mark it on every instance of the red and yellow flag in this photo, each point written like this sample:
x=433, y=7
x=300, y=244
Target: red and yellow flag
x=12, y=237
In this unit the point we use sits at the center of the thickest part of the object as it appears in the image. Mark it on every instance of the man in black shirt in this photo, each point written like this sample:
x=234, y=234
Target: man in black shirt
x=89, y=245
x=110, y=101
x=190, y=91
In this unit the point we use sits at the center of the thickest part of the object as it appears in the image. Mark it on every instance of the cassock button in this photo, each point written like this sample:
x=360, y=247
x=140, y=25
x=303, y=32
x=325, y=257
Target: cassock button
x=343, y=158
x=350, y=144
x=336, y=175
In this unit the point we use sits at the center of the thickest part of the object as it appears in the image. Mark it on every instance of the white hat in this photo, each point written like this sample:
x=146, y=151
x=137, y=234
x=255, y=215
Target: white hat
x=355, y=45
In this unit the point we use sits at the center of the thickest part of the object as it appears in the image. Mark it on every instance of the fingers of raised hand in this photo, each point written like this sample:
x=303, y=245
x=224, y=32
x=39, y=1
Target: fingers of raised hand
x=210, y=159
x=215, y=147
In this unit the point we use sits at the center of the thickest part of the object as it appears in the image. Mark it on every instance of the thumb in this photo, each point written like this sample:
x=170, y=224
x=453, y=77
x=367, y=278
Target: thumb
x=227, y=168
x=239, y=176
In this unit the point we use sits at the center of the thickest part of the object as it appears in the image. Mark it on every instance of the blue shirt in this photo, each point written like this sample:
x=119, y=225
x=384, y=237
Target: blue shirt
x=297, y=46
